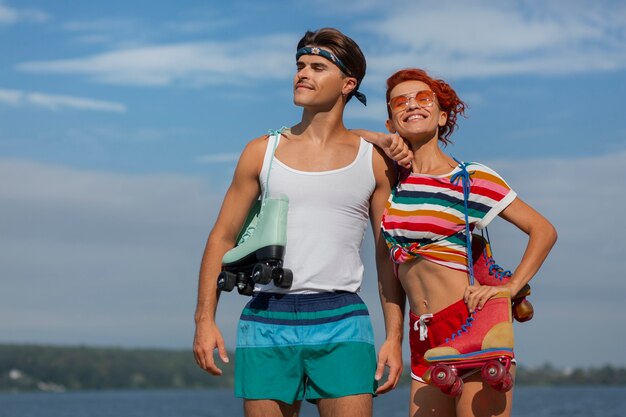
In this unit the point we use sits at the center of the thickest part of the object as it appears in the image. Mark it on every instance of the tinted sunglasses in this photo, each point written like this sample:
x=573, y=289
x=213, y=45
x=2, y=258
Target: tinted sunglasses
x=424, y=98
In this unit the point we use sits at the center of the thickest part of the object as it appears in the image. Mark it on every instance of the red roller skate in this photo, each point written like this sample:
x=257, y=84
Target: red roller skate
x=484, y=342
x=487, y=272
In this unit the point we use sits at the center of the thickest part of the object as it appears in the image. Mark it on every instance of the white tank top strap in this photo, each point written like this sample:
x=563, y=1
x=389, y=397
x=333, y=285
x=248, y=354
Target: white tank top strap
x=272, y=143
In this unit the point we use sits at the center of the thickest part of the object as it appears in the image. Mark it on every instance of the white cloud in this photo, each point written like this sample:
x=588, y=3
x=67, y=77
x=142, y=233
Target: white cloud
x=75, y=243
x=114, y=33
x=123, y=33
x=202, y=25
x=101, y=25
x=123, y=134
x=220, y=157
x=57, y=102
x=10, y=15
x=12, y=97
x=581, y=195
x=477, y=39
x=375, y=111
x=498, y=38
x=488, y=30
x=196, y=63
x=7, y=14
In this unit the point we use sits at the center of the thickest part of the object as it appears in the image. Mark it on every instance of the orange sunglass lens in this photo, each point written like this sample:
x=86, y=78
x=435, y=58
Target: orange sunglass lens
x=398, y=103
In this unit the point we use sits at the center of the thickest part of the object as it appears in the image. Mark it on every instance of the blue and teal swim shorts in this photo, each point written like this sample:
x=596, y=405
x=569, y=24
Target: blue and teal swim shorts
x=304, y=346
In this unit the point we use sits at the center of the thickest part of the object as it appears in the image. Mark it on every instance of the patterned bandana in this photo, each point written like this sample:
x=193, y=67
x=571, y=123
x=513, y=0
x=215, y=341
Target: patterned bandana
x=314, y=50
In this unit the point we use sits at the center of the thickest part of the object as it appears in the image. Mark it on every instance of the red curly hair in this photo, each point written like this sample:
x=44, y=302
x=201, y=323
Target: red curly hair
x=449, y=101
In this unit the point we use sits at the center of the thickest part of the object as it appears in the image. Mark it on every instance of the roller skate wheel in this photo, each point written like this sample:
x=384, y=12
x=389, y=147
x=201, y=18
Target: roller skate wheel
x=523, y=293
x=456, y=389
x=427, y=376
x=523, y=310
x=262, y=273
x=226, y=281
x=282, y=277
x=443, y=376
x=507, y=383
x=245, y=286
x=493, y=373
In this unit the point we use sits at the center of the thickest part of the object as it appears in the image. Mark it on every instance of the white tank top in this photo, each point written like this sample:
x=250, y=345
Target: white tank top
x=328, y=215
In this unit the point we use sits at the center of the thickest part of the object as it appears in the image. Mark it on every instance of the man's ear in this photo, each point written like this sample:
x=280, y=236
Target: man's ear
x=349, y=85
x=389, y=126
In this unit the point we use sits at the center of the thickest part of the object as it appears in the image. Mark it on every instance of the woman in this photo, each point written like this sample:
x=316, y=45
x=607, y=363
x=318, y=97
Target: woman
x=425, y=227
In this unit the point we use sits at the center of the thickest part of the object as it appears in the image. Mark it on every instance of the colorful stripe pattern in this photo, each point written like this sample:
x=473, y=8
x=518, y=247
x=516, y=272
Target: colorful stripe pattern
x=425, y=217
x=303, y=319
x=295, y=346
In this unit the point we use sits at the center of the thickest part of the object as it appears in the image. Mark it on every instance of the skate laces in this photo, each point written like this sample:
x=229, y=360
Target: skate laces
x=464, y=329
x=249, y=232
x=277, y=132
x=464, y=176
x=495, y=269
x=420, y=325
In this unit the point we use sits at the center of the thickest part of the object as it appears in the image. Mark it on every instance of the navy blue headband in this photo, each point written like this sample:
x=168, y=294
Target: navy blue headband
x=314, y=50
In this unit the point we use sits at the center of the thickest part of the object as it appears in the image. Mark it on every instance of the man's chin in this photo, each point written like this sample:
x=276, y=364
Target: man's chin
x=299, y=102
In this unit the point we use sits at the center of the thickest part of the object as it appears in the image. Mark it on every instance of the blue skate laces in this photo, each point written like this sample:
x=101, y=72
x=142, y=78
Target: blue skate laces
x=464, y=176
x=495, y=269
x=464, y=329
x=277, y=132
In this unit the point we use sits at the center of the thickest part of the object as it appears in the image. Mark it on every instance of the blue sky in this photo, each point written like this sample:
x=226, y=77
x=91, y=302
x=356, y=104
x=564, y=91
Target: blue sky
x=121, y=122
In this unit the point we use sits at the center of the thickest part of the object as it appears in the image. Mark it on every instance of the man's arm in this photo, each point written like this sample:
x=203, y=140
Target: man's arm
x=241, y=194
x=392, y=295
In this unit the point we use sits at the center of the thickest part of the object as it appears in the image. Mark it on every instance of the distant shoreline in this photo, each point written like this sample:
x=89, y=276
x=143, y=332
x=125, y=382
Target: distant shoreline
x=51, y=368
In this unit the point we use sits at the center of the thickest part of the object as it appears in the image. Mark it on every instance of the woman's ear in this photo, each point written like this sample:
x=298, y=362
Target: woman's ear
x=389, y=126
x=443, y=118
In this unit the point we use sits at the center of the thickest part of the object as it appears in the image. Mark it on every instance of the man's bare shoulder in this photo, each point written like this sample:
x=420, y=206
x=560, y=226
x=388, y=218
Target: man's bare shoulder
x=380, y=158
x=257, y=143
x=251, y=158
x=255, y=147
x=384, y=168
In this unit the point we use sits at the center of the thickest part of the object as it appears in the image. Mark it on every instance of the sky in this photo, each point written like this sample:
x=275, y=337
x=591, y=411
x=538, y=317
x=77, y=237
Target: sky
x=121, y=124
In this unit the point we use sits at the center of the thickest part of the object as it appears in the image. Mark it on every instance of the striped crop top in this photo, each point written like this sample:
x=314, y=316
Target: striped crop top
x=425, y=214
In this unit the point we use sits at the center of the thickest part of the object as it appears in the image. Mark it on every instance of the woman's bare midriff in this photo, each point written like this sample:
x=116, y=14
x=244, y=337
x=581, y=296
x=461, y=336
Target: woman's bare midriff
x=431, y=287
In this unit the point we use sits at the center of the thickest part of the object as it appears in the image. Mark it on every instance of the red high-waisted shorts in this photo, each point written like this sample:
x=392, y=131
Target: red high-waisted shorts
x=438, y=327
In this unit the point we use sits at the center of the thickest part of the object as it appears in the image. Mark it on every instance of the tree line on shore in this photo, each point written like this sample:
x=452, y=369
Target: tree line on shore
x=57, y=368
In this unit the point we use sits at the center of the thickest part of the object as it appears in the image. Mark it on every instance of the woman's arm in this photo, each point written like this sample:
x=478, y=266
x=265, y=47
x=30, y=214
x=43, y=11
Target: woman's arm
x=392, y=144
x=541, y=237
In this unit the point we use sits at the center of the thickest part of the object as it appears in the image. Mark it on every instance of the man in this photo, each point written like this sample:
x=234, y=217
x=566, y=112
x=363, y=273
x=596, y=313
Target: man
x=314, y=340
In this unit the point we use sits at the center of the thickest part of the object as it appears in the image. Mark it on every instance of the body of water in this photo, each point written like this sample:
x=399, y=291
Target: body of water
x=529, y=401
